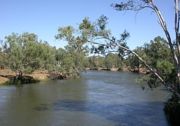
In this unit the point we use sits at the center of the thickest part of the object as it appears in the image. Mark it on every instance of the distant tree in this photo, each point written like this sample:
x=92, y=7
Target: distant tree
x=60, y=54
x=133, y=61
x=93, y=62
x=96, y=62
x=112, y=60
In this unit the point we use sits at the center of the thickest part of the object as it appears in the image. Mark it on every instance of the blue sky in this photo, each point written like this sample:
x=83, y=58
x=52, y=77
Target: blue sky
x=43, y=17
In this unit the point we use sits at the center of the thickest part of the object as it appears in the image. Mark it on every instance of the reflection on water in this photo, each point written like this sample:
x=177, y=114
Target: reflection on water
x=98, y=99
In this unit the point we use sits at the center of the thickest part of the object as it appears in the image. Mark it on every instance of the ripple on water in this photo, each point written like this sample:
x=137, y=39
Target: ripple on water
x=141, y=114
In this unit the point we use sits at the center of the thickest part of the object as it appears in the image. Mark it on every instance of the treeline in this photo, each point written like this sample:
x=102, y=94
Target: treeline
x=155, y=53
x=25, y=52
x=110, y=61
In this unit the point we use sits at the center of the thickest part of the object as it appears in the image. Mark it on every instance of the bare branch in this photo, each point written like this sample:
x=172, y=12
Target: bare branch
x=132, y=5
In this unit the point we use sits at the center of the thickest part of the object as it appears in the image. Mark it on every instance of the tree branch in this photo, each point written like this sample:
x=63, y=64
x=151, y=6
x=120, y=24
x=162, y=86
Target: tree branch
x=143, y=61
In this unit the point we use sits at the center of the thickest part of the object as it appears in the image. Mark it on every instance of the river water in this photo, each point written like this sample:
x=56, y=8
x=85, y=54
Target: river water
x=97, y=99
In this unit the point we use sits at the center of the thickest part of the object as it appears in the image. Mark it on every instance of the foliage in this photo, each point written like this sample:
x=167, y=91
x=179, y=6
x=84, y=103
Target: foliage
x=96, y=62
x=26, y=53
x=174, y=47
x=133, y=61
x=113, y=61
x=81, y=39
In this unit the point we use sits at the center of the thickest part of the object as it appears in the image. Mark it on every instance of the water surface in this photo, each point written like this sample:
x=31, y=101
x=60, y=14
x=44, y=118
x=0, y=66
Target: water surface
x=97, y=99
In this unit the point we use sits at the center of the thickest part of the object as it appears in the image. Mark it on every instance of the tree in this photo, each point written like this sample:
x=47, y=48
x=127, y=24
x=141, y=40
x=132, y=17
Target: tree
x=137, y=5
x=90, y=35
x=96, y=62
x=112, y=61
x=3, y=56
x=133, y=61
x=157, y=49
x=24, y=52
x=77, y=40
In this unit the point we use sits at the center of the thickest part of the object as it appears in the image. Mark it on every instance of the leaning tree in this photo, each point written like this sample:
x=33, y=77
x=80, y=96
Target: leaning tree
x=138, y=5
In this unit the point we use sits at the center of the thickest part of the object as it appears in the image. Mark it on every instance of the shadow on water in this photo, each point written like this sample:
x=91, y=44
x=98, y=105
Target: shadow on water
x=141, y=114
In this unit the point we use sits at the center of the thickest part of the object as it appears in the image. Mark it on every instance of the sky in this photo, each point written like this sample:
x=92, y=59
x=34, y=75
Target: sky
x=44, y=17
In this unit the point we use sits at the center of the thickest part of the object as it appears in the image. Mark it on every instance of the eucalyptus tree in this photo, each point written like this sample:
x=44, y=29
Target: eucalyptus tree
x=77, y=39
x=138, y=5
x=14, y=51
x=97, y=62
x=60, y=54
x=133, y=62
x=26, y=53
x=74, y=50
x=3, y=56
x=157, y=50
x=113, y=61
x=94, y=36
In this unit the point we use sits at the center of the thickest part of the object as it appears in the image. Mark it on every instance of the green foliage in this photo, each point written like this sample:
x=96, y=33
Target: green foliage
x=157, y=54
x=112, y=61
x=157, y=50
x=102, y=21
x=65, y=32
x=70, y=60
x=26, y=53
x=106, y=62
x=165, y=67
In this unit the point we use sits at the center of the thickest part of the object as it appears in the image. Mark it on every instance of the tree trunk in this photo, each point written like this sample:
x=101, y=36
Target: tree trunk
x=176, y=57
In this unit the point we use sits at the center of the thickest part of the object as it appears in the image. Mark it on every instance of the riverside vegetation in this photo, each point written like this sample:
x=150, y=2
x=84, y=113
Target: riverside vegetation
x=25, y=56
x=159, y=58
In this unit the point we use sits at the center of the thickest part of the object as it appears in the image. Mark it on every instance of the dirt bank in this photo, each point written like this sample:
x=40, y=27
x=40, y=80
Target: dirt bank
x=8, y=76
x=3, y=80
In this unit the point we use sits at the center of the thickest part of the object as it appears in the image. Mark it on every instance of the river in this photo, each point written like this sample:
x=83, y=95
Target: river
x=97, y=99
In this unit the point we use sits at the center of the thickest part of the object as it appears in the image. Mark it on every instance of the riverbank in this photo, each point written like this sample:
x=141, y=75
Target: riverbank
x=8, y=76
x=124, y=69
